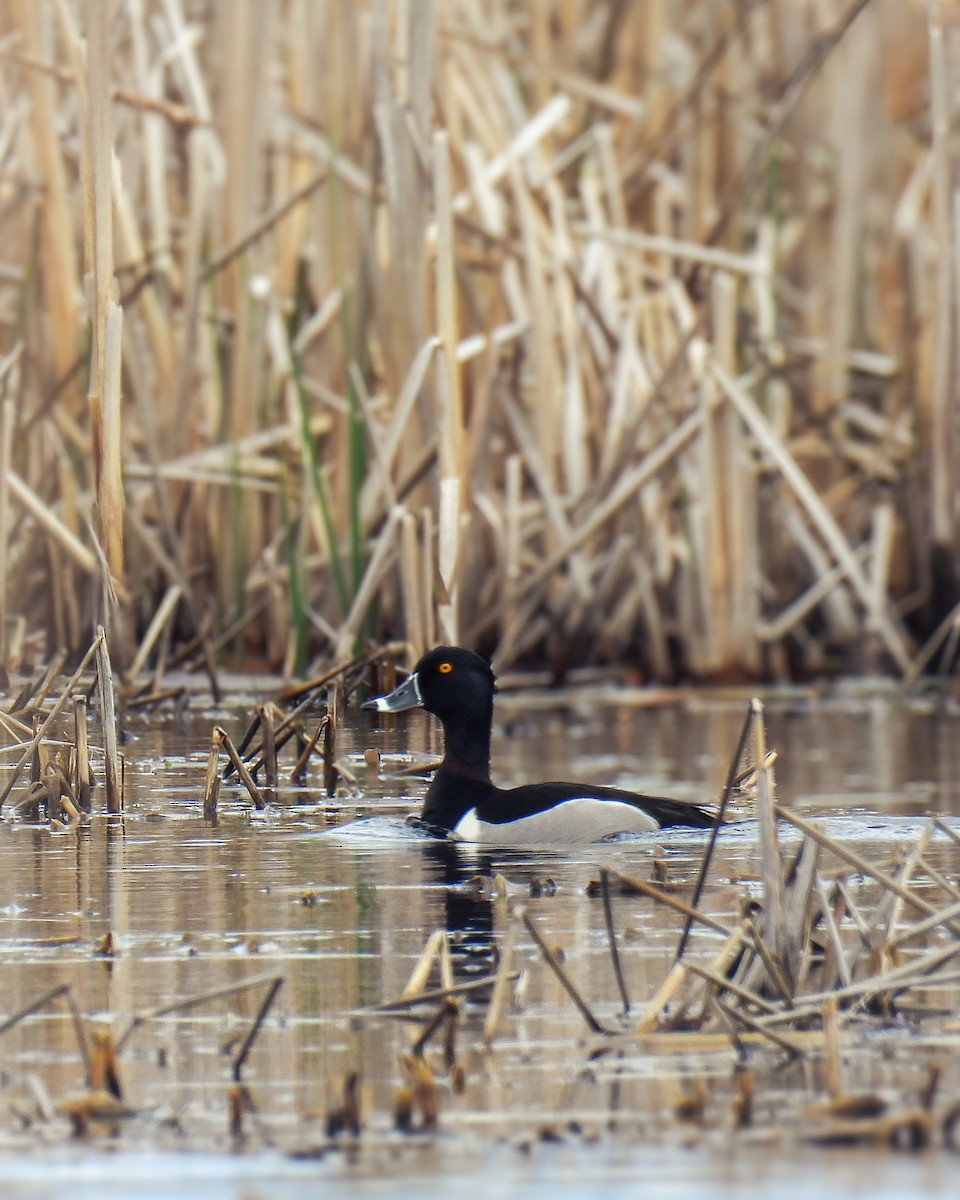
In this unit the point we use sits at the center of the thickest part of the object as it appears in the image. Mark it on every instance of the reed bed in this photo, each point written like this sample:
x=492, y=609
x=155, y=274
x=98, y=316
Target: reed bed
x=573, y=330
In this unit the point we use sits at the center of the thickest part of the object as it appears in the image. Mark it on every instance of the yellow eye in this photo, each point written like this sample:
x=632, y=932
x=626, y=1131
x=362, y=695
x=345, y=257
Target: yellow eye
x=445, y=668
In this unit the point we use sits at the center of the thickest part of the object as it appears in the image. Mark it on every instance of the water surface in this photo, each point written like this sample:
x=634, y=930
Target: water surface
x=338, y=897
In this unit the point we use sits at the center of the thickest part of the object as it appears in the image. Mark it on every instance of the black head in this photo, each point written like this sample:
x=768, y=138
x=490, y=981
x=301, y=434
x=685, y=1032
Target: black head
x=448, y=681
x=454, y=681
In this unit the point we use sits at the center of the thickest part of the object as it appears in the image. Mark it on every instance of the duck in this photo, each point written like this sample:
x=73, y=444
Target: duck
x=464, y=804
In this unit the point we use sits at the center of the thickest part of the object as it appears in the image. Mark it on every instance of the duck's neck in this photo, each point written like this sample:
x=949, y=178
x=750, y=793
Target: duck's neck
x=467, y=749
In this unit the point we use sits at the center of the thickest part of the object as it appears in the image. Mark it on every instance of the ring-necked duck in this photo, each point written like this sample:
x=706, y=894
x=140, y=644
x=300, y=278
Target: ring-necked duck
x=457, y=686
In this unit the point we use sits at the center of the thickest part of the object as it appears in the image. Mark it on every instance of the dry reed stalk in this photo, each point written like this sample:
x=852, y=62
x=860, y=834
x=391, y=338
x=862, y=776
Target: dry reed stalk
x=113, y=771
x=309, y=747
x=773, y=967
x=612, y=939
x=240, y=767
x=198, y=1001
x=802, y=876
x=771, y=865
x=721, y=984
x=269, y=752
x=833, y=1063
x=380, y=561
x=890, y=908
x=634, y=883
x=429, y=997
x=562, y=975
x=158, y=623
x=6, y=455
x=243, y=1052
x=544, y=290
x=43, y=1001
x=57, y=252
x=673, y=983
x=81, y=753
x=732, y=773
x=418, y=1045
x=48, y=721
x=421, y=971
x=54, y=527
x=884, y=983
x=491, y=1020
x=858, y=861
x=449, y=418
x=42, y=690
x=791, y=1044
x=413, y=599
x=824, y=521
x=719, y=966
x=211, y=786
x=944, y=384
x=106, y=317
x=920, y=928
x=841, y=968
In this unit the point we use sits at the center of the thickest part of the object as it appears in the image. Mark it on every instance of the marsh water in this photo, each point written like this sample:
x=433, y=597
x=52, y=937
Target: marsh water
x=337, y=897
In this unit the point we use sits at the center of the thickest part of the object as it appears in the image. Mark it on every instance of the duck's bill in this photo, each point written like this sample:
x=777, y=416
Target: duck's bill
x=407, y=695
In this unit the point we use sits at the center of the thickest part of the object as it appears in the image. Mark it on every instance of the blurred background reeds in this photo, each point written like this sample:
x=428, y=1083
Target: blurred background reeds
x=575, y=330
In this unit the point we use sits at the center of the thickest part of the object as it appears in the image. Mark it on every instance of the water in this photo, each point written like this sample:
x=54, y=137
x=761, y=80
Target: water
x=338, y=898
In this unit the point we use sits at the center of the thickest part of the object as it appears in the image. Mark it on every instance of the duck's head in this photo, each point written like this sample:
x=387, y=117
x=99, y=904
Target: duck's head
x=448, y=681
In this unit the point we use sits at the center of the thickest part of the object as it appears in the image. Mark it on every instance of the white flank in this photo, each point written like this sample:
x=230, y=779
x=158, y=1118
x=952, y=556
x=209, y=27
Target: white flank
x=573, y=822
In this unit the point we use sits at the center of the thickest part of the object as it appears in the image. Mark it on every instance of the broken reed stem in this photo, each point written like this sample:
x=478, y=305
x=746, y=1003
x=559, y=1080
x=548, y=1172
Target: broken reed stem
x=6, y=457
x=861, y=864
x=275, y=985
x=82, y=760
x=44, y=516
x=211, y=787
x=110, y=498
x=774, y=970
x=195, y=1001
x=113, y=778
x=396, y=1007
x=492, y=1020
x=832, y=1062
x=40, y=694
x=65, y=990
x=318, y=681
x=424, y=965
x=612, y=939
x=251, y=731
x=678, y=905
x=771, y=865
x=890, y=982
x=309, y=747
x=240, y=767
x=715, y=830
x=568, y=985
x=833, y=933
x=448, y=1007
x=792, y=1048
x=942, y=917
x=51, y=717
x=157, y=625
x=269, y=751
x=722, y=984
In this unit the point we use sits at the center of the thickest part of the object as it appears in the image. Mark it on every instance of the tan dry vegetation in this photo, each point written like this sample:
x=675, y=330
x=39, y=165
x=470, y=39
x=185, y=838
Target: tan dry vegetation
x=569, y=328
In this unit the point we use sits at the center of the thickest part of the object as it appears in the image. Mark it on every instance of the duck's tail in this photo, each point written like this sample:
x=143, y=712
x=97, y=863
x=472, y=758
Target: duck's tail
x=669, y=812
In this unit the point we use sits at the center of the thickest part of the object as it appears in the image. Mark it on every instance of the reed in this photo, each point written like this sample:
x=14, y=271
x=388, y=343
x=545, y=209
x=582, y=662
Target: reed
x=504, y=334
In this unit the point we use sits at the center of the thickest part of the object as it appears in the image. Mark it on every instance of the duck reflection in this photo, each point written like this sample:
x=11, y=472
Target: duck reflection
x=468, y=905
x=475, y=889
